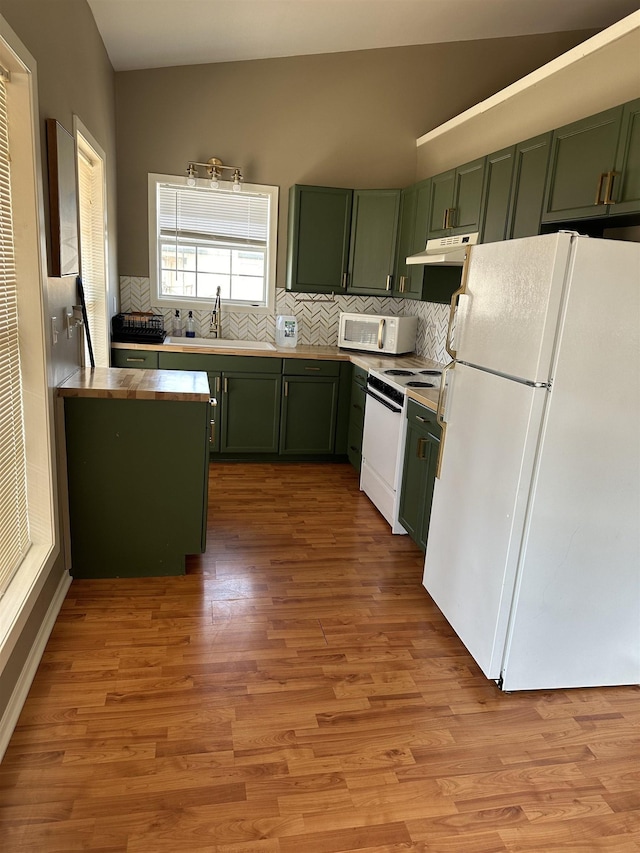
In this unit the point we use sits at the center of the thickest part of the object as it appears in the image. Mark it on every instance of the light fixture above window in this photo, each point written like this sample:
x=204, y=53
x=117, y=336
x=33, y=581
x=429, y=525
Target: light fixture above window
x=214, y=168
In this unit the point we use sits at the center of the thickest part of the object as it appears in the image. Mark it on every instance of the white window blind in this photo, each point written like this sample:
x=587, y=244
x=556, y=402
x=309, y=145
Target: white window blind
x=14, y=524
x=92, y=247
x=225, y=216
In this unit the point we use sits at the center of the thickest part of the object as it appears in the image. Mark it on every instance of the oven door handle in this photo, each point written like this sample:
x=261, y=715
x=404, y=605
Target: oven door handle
x=384, y=403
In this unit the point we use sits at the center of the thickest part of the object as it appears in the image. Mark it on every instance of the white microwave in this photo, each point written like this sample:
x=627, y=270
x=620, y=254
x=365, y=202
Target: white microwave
x=377, y=333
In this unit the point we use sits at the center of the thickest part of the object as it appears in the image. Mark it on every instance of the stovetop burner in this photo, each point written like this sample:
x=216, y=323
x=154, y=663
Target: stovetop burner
x=396, y=372
x=430, y=372
x=416, y=384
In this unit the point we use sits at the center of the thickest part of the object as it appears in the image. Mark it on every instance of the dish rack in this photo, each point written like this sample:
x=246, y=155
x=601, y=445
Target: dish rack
x=138, y=327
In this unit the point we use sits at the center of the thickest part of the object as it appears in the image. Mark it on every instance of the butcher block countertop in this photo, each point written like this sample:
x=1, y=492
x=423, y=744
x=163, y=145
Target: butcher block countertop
x=124, y=383
x=368, y=361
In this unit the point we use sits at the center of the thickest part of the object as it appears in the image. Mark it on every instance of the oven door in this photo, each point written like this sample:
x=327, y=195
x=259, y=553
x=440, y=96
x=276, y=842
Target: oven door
x=381, y=437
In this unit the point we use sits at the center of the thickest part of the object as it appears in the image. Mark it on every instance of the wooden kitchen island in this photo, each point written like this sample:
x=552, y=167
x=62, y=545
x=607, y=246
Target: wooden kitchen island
x=137, y=460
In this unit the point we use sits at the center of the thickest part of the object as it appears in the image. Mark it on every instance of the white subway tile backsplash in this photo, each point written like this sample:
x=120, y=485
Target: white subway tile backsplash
x=318, y=316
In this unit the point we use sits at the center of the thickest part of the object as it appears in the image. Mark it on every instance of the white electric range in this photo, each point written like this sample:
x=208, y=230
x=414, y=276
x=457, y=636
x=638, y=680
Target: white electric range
x=385, y=426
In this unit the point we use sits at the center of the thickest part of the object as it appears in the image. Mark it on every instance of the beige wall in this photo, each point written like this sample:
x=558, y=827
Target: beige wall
x=349, y=119
x=74, y=76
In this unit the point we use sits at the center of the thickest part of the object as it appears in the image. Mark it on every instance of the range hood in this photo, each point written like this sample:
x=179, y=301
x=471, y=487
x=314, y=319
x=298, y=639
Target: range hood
x=446, y=251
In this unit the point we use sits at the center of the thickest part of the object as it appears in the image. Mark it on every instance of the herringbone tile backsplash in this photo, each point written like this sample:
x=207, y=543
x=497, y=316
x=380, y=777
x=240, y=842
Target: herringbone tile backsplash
x=318, y=316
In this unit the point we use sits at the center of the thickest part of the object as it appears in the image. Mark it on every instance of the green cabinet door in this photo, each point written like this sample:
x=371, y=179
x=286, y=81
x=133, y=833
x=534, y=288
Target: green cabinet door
x=373, y=241
x=308, y=418
x=625, y=189
x=531, y=160
x=406, y=227
x=497, y=193
x=464, y=217
x=582, y=156
x=456, y=200
x=250, y=412
x=318, y=238
x=419, y=472
x=215, y=389
x=356, y=416
x=440, y=203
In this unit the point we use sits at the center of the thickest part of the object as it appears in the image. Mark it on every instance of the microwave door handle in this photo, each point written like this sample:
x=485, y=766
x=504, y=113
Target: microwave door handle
x=381, y=325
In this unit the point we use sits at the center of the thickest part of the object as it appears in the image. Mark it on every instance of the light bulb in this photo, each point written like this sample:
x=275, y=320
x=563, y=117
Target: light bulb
x=214, y=183
x=237, y=178
x=191, y=182
x=191, y=175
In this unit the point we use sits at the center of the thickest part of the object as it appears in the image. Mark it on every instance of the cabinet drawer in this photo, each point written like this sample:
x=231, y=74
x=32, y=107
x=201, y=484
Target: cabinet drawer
x=147, y=359
x=212, y=362
x=310, y=367
x=422, y=417
x=360, y=375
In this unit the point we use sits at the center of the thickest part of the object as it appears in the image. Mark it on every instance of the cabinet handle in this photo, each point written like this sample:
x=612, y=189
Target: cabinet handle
x=403, y=281
x=609, y=187
x=286, y=389
x=445, y=218
x=380, y=333
x=599, y=189
x=226, y=385
x=450, y=216
x=422, y=420
x=389, y=279
x=312, y=368
x=138, y=360
x=421, y=444
x=345, y=280
x=357, y=406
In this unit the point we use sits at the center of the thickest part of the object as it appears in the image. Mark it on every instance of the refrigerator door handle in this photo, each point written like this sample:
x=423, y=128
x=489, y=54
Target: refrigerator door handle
x=454, y=303
x=440, y=415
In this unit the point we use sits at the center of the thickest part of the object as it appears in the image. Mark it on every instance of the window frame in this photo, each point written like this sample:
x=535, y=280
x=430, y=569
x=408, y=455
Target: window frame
x=22, y=593
x=205, y=304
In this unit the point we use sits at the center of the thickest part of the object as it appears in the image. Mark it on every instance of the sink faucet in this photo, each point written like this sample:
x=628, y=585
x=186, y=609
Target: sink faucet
x=215, y=326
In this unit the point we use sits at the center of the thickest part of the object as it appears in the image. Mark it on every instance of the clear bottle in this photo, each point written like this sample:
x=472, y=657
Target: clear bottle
x=176, y=329
x=190, y=326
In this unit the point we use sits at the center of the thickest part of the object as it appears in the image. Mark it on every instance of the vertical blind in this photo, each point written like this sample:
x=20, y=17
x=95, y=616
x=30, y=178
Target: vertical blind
x=92, y=247
x=14, y=520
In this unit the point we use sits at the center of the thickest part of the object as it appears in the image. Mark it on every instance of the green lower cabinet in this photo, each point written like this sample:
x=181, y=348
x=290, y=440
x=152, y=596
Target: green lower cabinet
x=308, y=416
x=128, y=518
x=356, y=416
x=419, y=471
x=250, y=412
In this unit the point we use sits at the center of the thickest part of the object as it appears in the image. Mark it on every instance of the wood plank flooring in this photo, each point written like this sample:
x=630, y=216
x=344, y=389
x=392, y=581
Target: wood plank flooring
x=298, y=692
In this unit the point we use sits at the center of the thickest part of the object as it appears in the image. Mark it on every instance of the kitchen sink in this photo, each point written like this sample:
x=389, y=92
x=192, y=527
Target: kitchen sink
x=219, y=343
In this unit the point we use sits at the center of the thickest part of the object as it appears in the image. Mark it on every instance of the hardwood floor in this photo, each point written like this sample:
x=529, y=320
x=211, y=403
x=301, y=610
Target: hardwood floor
x=298, y=692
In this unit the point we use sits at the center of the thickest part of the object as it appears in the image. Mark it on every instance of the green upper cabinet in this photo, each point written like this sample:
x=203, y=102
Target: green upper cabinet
x=530, y=163
x=594, y=167
x=626, y=183
x=412, y=238
x=408, y=201
x=373, y=241
x=497, y=193
x=318, y=238
x=456, y=200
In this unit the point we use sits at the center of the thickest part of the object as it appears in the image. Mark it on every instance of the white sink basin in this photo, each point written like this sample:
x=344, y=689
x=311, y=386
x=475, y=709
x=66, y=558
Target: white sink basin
x=219, y=343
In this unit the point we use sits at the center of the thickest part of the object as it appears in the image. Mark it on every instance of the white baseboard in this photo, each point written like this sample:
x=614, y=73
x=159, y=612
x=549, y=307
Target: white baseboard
x=21, y=690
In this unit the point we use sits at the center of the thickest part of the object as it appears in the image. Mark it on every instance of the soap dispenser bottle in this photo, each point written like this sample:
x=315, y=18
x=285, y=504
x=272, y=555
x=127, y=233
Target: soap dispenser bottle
x=190, y=326
x=176, y=330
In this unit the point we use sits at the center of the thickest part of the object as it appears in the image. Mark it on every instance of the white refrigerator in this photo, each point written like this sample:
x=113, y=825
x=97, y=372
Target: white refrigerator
x=533, y=552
